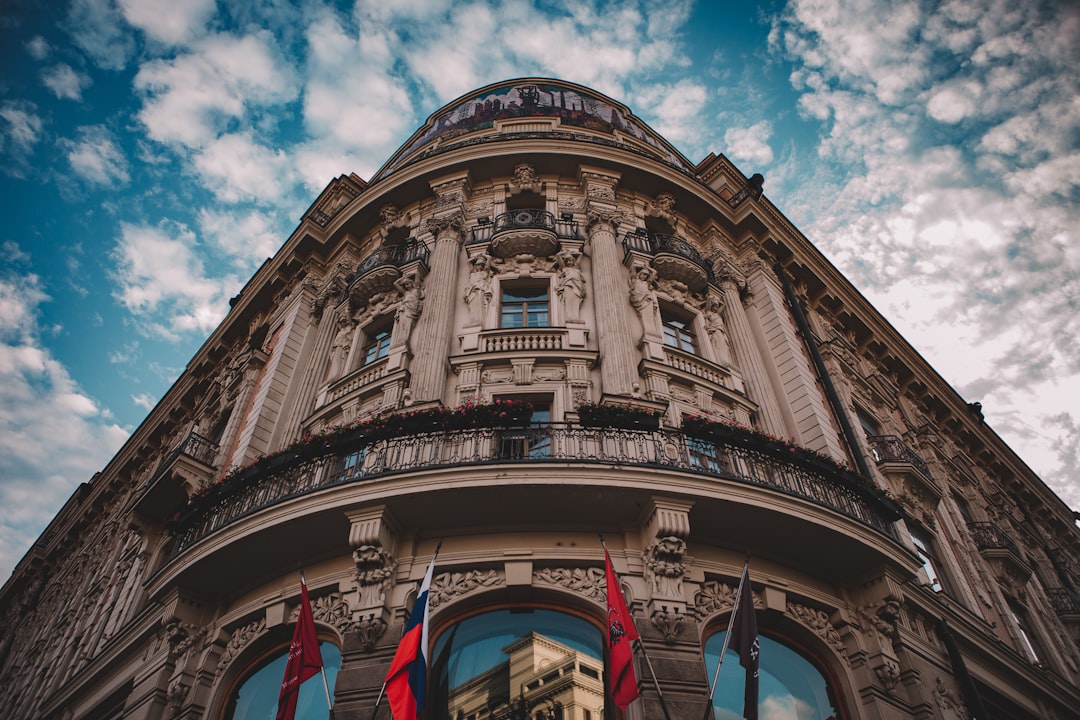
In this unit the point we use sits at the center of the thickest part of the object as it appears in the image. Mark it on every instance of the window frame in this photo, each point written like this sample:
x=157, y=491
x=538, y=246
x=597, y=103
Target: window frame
x=670, y=321
x=931, y=561
x=507, y=288
x=377, y=337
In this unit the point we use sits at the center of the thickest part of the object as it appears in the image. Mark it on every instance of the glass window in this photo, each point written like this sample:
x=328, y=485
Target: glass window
x=533, y=441
x=678, y=332
x=929, y=561
x=1027, y=638
x=376, y=345
x=518, y=663
x=257, y=696
x=789, y=685
x=524, y=307
x=703, y=454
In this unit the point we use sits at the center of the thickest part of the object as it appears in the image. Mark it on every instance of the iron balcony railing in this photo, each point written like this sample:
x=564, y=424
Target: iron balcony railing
x=989, y=536
x=395, y=255
x=194, y=446
x=652, y=243
x=1064, y=601
x=563, y=227
x=359, y=460
x=890, y=448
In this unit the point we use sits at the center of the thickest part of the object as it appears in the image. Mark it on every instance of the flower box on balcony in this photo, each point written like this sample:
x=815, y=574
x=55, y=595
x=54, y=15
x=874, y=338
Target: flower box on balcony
x=618, y=416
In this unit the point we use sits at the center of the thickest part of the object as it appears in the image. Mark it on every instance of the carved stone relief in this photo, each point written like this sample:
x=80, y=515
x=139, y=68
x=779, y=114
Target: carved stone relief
x=664, y=567
x=374, y=570
x=449, y=585
x=818, y=621
x=590, y=582
x=240, y=639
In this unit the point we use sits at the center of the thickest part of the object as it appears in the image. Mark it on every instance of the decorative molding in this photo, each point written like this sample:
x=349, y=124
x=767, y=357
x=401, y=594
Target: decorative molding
x=449, y=585
x=240, y=639
x=664, y=567
x=668, y=624
x=818, y=621
x=590, y=582
x=369, y=629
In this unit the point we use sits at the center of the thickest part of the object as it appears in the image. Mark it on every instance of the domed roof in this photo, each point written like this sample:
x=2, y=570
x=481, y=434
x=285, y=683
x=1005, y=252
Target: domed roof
x=578, y=110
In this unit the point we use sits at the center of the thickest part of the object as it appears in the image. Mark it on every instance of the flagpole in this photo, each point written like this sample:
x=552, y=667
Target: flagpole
x=641, y=646
x=322, y=668
x=727, y=639
x=382, y=690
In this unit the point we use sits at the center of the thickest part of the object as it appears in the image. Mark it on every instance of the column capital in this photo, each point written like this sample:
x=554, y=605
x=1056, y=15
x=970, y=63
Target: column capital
x=441, y=223
x=602, y=217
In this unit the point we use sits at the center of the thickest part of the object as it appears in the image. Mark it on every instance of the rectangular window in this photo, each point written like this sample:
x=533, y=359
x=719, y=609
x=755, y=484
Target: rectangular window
x=678, y=332
x=1027, y=637
x=703, y=454
x=524, y=307
x=377, y=344
x=929, y=562
x=531, y=442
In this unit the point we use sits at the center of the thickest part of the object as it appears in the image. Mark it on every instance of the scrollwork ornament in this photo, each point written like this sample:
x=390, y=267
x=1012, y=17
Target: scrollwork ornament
x=438, y=225
x=176, y=693
x=668, y=623
x=240, y=639
x=369, y=629
x=714, y=597
x=447, y=586
x=664, y=566
x=818, y=621
x=608, y=219
x=589, y=582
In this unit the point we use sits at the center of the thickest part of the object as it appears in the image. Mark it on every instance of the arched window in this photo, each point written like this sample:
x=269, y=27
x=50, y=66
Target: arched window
x=789, y=684
x=256, y=697
x=518, y=663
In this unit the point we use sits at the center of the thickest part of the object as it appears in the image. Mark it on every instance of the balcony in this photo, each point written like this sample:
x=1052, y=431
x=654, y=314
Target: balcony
x=190, y=464
x=1002, y=553
x=380, y=270
x=528, y=231
x=672, y=257
x=357, y=460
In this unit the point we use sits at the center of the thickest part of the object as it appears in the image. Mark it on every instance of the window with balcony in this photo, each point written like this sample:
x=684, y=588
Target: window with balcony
x=678, y=330
x=524, y=306
x=930, y=563
x=532, y=441
x=376, y=342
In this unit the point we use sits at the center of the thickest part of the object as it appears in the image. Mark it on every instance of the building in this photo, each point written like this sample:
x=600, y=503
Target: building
x=539, y=321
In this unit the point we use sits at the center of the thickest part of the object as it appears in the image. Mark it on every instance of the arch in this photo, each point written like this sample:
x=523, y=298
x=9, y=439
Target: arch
x=800, y=674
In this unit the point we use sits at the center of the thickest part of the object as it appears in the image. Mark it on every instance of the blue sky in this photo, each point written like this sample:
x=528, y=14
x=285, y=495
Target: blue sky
x=153, y=153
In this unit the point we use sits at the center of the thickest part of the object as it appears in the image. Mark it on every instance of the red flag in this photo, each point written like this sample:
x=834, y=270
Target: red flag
x=305, y=660
x=621, y=632
x=744, y=640
x=406, y=681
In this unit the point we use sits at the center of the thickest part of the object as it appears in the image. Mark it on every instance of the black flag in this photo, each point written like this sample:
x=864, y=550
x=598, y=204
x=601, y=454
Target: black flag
x=744, y=640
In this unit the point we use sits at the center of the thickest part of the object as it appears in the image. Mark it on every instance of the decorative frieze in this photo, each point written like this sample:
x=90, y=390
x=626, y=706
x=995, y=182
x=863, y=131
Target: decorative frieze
x=589, y=582
x=450, y=585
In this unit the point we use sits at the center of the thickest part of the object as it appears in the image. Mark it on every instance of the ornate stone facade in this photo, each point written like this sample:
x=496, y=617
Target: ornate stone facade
x=938, y=578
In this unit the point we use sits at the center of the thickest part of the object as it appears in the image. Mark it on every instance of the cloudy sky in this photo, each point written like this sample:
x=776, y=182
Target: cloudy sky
x=154, y=152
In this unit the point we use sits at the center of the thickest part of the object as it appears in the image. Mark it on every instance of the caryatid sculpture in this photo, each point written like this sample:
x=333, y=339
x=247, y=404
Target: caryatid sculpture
x=643, y=297
x=408, y=310
x=479, y=292
x=571, y=284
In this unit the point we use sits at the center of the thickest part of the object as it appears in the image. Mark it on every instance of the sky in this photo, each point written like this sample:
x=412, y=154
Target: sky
x=154, y=152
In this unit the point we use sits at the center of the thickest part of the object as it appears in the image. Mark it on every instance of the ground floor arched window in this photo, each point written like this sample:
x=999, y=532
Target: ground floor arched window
x=790, y=686
x=256, y=696
x=528, y=663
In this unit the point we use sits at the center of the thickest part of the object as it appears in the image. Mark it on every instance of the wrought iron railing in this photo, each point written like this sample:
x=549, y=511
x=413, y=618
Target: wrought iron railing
x=989, y=536
x=652, y=243
x=1064, y=601
x=396, y=255
x=194, y=446
x=890, y=448
x=564, y=228
x=356, y=462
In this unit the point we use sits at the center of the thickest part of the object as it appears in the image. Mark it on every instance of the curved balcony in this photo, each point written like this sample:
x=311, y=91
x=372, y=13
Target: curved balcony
x=378, y=271
x=527, y=231
x=354, y=458
x=673, y=258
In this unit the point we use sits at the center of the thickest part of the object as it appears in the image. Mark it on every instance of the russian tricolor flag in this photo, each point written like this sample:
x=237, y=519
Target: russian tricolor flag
x=406, y=681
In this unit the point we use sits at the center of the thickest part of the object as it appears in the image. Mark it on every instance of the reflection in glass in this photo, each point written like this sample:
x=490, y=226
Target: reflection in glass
x=518, y=664
x=257, y=698
x=790, y=687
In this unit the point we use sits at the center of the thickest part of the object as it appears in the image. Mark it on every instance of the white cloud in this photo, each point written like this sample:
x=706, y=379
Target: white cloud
x=38, y=47
x=169, y=21
x=248, y=236
x=981, y=276
x=144, y=400
x=750, y=145
x=98, y=29
x=236, y=168
x=20, y=131
x=64, y=82
x=96, y=158
x=163, y=283
x=190, y=98
x=52, y=435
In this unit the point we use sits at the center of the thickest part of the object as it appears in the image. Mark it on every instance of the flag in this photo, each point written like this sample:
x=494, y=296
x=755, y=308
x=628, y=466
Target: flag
x=621, y=632
x=406, y=681
x=304, y=661
x=744, y=640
